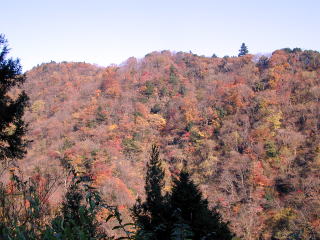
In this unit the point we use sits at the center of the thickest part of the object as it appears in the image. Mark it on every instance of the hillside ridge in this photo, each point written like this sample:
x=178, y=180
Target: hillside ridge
x=247, y=128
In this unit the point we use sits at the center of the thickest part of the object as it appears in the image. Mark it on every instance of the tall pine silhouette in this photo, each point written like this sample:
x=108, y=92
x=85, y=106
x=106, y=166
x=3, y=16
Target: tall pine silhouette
x=181, y=214
x=243, y=50
x=12, y=126
x=152, y=215
x=191, y=212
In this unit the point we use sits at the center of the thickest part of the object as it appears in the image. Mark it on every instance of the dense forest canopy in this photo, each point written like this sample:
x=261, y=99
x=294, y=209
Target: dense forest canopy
x=247, y=128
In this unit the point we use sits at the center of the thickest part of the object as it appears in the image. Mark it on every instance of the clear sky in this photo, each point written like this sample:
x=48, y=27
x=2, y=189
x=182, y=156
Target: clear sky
x=105, y=32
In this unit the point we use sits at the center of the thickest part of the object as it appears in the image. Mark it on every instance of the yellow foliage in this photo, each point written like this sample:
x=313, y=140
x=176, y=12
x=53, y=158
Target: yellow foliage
x=285, y=152
x=190, y=116
x=112, y=127
x=78, y=164
x=286, y=213
x=37, y=106
x=284, y=217
x=207, y=166
x=76, y=115
x=10, y=130
x=274, y=119
x=309, y=74
x=141, y=121
x=216, y=124
x=201, y=134
x=235, y=135
x=156, y=120
x=263, y=103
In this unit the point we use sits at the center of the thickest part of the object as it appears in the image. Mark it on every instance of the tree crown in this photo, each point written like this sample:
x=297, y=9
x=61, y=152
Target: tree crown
x=243, y=50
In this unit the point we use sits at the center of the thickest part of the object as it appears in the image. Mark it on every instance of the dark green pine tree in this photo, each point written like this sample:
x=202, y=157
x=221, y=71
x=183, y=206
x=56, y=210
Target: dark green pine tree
x=243, y=50
x=152, y=215
x=191, y=214
x=12, y=126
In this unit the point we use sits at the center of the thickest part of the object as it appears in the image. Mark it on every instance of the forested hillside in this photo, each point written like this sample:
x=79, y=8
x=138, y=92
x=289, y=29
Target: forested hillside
x=247, y=127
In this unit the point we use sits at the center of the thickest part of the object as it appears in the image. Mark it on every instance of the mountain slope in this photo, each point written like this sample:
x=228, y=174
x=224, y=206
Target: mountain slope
x=247, y=128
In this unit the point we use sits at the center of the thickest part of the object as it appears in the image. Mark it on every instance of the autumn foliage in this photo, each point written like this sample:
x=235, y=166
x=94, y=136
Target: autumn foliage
x=247, y=126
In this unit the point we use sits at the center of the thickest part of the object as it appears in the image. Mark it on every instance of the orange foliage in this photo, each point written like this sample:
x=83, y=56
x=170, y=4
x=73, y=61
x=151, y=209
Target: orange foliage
x=211, y=112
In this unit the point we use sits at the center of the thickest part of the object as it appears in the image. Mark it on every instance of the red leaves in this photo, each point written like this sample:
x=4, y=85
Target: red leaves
x=216, y=114
x=258, y=175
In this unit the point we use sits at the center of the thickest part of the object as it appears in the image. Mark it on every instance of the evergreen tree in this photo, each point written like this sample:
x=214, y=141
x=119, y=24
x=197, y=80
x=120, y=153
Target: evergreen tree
x=243, y=50
x=192, y=211
x=180, y=215
x=12, y=146
x=181, y=231
x=151, y=217
x=12, y=127
x=154, y=182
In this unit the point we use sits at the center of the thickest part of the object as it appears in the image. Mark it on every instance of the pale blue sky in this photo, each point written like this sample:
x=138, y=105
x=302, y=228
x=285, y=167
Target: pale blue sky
x=105, y=32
